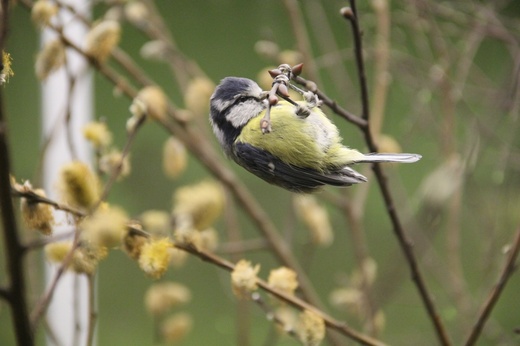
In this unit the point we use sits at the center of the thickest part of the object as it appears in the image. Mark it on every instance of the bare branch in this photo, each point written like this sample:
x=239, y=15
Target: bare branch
x=496, y=292
x=351, y=15
x=13, y=248
x=339, y=326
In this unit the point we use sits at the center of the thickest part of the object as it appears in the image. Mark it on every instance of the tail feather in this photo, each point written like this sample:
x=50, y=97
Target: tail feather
x=403, y=158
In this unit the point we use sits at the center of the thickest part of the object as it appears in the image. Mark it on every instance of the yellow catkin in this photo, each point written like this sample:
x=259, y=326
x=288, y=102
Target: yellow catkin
x=152, y=101
x=162, y=297
x=208, y=239
x=176, y=327
x=42, y=12
x=86, y=259
x=264, y=79
x=197, y=95
x=138, y=109
x=113, y=161
x=175, y=158
x=315, y=218
x=49, y=59
x=156, y=222
x=283, y=279
x=105, y=227
x=136, y=13
x=155, y=257
x=290, y=57
x=288, y=318
x=156, y=50
x=37, y=216
x=185, y=233
x=312, y=328
x=178, y=257
x=56, y=252
x=78, y=185
x=102, y=38
x=98, y=135
x=350, y=299
x=267, y=49
x=6, y=72
x=243, y=279
x=202, y=202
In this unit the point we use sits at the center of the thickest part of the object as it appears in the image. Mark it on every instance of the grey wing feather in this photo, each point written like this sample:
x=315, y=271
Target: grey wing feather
x=290, y=177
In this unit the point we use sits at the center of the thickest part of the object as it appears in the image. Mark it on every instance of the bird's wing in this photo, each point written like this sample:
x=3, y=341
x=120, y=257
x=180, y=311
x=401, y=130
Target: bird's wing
x=294, y=178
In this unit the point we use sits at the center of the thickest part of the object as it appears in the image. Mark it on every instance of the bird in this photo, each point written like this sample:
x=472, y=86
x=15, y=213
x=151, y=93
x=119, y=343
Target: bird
x=302, y=149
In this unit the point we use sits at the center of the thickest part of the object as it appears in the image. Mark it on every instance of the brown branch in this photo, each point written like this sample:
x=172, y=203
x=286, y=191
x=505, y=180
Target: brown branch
x=339, y=326
x=92, y=309
x=351, y=15
x=332, y=104
x=41, y=306
x=495, y=293
x=31, y=196
x=15, y=291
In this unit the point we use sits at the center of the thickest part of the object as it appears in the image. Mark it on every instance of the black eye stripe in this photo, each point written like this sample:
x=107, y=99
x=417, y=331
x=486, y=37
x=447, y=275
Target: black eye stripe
x=237, y=101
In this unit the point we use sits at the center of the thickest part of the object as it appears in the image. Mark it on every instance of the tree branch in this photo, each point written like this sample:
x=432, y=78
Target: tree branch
x=351, y=15
x=15, y=291
x=495, y=293
x=339, y=326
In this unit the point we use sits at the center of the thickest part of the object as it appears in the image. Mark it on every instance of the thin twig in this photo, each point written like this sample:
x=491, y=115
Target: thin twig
x=13, y=247
x=42, y=304
x=332, y=104
x=32, y=197
x=360, y=61
x=404, y=242
x=117, y=169
x=41, y=242
x=495, y=293
x=381, y=62
x=92, y=309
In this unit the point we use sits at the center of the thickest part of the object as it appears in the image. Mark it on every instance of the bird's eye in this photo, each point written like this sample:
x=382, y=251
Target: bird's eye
x=241, y=99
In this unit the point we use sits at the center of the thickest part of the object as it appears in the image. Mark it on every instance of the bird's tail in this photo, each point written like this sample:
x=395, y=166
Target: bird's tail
x=377, y=157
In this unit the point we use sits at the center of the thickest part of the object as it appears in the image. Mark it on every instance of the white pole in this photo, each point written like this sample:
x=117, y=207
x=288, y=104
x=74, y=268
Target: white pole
x=67, y=314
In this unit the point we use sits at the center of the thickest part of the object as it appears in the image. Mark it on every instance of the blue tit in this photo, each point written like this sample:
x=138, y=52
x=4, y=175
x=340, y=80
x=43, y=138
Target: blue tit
x=299, y=153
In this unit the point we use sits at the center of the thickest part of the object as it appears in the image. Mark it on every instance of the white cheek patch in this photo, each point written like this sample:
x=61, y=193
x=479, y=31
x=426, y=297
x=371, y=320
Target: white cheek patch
x=271, y=167
x=240, y=114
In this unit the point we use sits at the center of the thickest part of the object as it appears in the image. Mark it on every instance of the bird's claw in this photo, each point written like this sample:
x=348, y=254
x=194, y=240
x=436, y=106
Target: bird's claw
x=265, y=125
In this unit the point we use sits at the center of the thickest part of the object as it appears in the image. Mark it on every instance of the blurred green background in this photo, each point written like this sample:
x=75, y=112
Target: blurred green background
x=220, y=35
